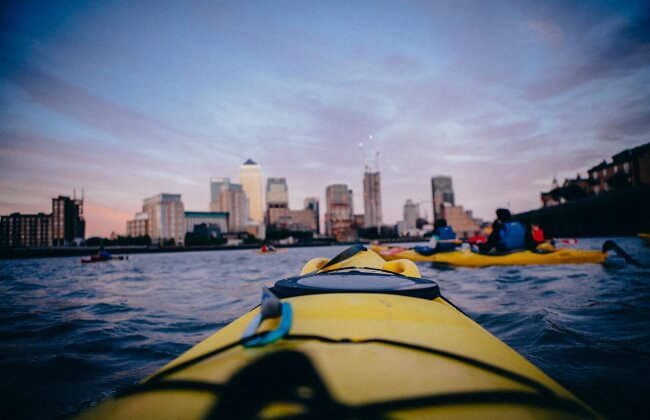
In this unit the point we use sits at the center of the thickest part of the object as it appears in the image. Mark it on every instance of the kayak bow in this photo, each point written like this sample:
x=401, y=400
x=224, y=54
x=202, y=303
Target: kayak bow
x=351, y=337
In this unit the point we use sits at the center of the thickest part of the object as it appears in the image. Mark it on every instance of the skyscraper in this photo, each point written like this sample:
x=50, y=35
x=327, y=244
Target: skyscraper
x=250, y=177
x=312, y=203
x=217, y=186
x=231, y=198
x=441, y=192
x=68, y=222
x=372, y=199
x=277, y=193
x=166, y=217
x=339, y=216
x=411, y=214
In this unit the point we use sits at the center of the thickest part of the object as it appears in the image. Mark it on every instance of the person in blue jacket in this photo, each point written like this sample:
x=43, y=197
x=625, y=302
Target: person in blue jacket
x=507, y=234
x=443, y=239
x=103, y=254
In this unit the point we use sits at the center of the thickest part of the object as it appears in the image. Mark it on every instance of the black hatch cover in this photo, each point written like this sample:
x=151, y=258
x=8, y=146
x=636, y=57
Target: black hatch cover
x=356, y=282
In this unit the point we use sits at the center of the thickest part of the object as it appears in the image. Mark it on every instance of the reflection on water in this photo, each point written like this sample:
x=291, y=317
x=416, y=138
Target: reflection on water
x=72, y=334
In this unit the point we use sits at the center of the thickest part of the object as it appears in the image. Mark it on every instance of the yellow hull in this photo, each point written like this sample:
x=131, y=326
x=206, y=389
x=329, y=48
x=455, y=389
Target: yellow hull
x=472, y=259
x=645, y=237
x=372, y=354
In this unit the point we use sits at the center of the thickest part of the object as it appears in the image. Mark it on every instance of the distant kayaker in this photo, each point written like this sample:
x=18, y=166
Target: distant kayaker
x=534, y=235
x=103, y=254
x=443, y=239
x=267, y=248
x=506, y=235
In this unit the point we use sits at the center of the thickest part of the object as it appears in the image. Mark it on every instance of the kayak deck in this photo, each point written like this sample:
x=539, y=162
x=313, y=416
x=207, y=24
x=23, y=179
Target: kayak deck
x=373, y=354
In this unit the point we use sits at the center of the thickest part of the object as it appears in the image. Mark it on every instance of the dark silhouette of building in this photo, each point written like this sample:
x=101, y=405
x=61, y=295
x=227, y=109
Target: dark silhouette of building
x=628, y=169
x=441, y=192
x=25, y=230
x=339, y=217
x=68, y=224
x=312, y=203
x=63, y=227
x=372, y=199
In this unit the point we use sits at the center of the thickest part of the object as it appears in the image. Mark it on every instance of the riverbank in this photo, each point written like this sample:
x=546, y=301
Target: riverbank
x=22, y=253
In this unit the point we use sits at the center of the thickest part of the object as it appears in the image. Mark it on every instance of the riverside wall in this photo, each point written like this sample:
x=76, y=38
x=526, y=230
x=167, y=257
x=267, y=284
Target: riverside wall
x=616, y=213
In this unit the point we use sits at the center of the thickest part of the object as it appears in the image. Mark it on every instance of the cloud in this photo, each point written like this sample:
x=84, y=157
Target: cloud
x=123, y=123
x=547, y=30
x=622, y=50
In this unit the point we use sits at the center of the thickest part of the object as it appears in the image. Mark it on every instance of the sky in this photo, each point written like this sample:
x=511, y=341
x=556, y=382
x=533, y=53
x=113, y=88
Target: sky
x=126, y=99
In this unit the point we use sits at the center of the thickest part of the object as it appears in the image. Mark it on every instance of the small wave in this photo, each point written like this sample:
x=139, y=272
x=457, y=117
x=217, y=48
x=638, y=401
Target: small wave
x=110, y=308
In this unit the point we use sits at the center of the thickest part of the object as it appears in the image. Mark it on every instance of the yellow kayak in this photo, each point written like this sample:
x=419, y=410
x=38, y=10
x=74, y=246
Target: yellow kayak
x=645, y=237
x=473, y=259
x=351, y=337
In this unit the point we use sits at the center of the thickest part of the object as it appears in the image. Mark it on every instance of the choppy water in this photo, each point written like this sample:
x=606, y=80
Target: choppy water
x=71, y=333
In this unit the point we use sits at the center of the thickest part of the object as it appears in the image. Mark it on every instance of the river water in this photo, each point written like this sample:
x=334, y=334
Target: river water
x=71, y=334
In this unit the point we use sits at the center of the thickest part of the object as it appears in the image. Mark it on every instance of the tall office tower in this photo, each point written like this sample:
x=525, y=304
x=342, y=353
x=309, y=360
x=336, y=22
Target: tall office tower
x=312, y=203
x=235, y=202
x=442, y=192
x=339, y=216
x=68, y=222
x=411, y=214
x=277, y=193
x=217, y=186
x=250, y=178
x=166, y=218
x=371, y=199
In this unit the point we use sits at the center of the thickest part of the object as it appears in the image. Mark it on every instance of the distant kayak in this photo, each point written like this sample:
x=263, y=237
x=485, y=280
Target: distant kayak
x=569, y=241
x=276, y=251
x=473, y=259
x=95, y=259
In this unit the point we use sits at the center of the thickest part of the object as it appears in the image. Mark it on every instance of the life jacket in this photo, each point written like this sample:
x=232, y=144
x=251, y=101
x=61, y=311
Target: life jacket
x=513, y=236
x=445, y=233
x=537, y=233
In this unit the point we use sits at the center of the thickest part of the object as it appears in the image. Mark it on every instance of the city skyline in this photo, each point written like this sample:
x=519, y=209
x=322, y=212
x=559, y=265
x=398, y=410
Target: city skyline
x=128, y=101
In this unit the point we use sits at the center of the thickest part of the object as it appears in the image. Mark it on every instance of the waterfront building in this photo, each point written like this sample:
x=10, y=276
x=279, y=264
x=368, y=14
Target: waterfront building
x=217, y=186
x=571, y=189
x=339, y=215
x=629, y=168
x=441, y=192
x=68, y=224
x=277, y=193
x=235, y=202
x=65, y=226
x=166, y=218
x=372, y=199
x=411, y=215
x=284, y=218
x=214, y=221
x=226, y=197
x=312, y=203
x=250, y=178
x=277, y=197
x=462, y=221
x=139, y=226
x=25, y=230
